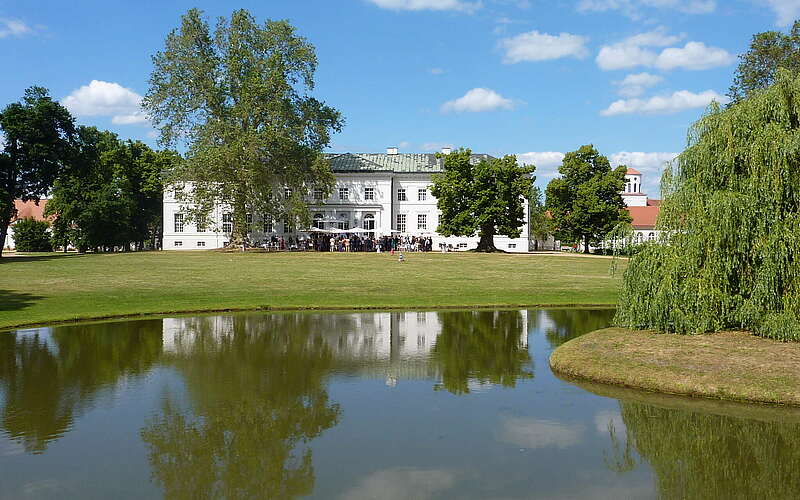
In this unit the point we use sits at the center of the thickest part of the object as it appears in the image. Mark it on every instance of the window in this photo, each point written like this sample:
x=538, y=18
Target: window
x=178, y=223
x=268, y=226
x=639, y=237
x=651, y=236
x=628, y=187
x=344, y=193
x=178, y=191
x=369, y=222
x=318, y=222
x=369, y=193
x=287, y=193
x=401, y=223
x=202, y=224
x=512, y=245
x=422, y=194
x=287, y=228
x=178, y=243
x=249, y=221
x=201, y=243
x=227, y=223
x=318, y=194
x=401, y=194
x=422, y=221
x=461, y=245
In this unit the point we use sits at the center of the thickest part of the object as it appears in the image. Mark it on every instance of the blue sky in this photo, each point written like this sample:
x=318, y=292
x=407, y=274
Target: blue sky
x=534, y=78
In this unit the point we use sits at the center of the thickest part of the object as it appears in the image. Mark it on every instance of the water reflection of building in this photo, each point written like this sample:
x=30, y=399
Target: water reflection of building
x=390, y=345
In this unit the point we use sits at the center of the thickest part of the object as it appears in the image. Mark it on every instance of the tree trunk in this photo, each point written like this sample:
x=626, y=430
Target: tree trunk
x=585, y=243
x=486, y=243
x=3, y=234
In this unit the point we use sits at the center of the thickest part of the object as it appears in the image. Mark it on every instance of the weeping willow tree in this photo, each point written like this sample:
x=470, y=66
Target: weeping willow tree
x=730, y=255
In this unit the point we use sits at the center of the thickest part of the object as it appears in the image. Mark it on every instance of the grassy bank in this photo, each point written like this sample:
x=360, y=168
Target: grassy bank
x=732, y=366
x=48, y=288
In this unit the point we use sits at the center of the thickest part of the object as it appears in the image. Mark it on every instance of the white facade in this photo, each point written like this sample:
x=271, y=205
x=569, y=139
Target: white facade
x=632, y=194
x=384, y=193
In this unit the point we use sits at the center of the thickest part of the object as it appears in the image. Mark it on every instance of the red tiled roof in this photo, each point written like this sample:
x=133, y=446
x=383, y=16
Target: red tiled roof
x=653, y=203
x=27, y=209
x=644, y=217
x=632, y=171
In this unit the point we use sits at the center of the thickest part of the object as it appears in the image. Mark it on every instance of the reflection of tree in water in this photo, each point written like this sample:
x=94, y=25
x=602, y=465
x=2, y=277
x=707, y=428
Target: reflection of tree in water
x=568, y=324
x=697, y=455
x=257, y=398
x=481, y=346
x=45, y=387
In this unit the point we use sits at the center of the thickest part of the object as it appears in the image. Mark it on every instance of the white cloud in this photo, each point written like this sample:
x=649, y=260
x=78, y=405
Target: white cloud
x=101, y=98
x=457, y=5
x=635, y=84
x=633, y=52
x=401, y=482
x=694, y=56
x=786, y=10
x=534, y=433
x=436, y=146
x=544, y=160
x=13, y=27
x=678, y=101
x=535, y=46
x=634, y=8
x=477, y=100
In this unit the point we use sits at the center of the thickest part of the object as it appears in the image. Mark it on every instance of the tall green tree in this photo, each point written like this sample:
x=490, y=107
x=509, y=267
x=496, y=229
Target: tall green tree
x=758, y=67
x=731, y=215
x=110, y=194
x=239, y=98
x=37, y=144
x=585, y=202
x=540, y=225
x=484, y=198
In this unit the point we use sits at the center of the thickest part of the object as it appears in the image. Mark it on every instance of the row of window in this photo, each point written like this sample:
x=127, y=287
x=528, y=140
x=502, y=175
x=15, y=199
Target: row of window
x=369, y=194
x=200, y=244
x=344, y=194
x=369, y=223
x=422, y=222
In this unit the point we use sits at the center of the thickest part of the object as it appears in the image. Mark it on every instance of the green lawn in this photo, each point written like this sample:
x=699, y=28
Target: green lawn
x=47, y=288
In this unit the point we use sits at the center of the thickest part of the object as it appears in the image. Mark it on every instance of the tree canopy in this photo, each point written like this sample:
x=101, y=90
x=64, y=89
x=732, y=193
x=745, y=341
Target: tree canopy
x=38, y=140
x=110, y=194
x=585, y=202
x=486, y=197
x=758, y=67
x=239, y=99
x=731, y=219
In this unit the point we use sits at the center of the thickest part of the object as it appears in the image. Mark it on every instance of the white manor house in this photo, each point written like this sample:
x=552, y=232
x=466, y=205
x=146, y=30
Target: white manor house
x=379, y=194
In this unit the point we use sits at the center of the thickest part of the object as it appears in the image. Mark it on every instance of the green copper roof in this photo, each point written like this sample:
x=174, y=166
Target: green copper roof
x=410, y=163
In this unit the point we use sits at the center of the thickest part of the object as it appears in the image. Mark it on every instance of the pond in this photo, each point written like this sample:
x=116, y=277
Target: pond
x=389, y=405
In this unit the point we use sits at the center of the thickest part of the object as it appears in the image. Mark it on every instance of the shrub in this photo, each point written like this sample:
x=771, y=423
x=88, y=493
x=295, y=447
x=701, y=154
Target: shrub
x=31, y=235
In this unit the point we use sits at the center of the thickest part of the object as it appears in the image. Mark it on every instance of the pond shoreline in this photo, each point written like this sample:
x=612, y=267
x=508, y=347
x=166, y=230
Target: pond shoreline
x=277, y=309
x=730, y=366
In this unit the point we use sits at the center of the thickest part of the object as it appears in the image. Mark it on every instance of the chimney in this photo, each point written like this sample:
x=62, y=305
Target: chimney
x=391, y=151
x=446, y=151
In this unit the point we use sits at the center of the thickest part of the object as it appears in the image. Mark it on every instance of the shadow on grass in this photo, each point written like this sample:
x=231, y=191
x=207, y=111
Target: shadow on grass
x=14, y=301
x=35, y=257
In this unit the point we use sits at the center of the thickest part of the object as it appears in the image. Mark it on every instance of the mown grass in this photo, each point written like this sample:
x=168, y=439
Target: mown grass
x=47, y=288
x=735, y=366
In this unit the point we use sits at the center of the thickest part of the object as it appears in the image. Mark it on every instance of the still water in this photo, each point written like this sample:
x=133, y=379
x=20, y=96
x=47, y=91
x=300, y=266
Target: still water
x=384, y=405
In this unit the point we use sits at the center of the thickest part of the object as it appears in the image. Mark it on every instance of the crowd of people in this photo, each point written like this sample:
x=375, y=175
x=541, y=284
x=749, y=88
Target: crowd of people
x=349, y=243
